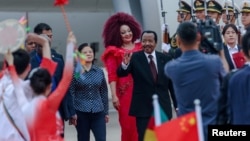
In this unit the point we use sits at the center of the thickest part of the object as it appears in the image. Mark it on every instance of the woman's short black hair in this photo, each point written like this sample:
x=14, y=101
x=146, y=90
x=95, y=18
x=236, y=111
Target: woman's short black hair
x=83, y=45
x=227, y=26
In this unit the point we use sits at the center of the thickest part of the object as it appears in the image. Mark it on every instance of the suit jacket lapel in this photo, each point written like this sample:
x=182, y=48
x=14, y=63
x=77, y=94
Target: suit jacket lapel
x=228, y=57
x=160, y=65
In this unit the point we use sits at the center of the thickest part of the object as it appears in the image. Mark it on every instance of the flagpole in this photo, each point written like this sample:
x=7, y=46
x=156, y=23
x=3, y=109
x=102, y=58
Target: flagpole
x=199, y=119
x=156, y=110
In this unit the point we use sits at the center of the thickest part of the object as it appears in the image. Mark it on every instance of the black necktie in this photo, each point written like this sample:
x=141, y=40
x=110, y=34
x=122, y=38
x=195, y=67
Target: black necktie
x=152, y=67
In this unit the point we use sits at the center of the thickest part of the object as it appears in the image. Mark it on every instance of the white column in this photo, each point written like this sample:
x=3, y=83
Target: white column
x=152, y=18
x=122, y=6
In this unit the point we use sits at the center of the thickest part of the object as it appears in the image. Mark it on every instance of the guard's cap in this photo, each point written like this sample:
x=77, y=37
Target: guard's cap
x=230, y=6
x=184, y=7
x=214, y=6
x=245, y=6
x=199, y=5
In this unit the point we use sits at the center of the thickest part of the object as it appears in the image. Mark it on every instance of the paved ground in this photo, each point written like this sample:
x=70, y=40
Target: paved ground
x=113, y=130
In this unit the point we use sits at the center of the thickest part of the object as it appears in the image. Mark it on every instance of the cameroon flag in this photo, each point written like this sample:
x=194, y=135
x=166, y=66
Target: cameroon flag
x=150, y=133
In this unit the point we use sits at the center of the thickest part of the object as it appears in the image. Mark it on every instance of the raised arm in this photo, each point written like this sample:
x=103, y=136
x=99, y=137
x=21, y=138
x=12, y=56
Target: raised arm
x=43, y=41
x=56, y=97
x=18, y=90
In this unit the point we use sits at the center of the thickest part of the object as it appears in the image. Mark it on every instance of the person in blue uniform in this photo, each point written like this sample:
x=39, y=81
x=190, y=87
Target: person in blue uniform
x=195, y=75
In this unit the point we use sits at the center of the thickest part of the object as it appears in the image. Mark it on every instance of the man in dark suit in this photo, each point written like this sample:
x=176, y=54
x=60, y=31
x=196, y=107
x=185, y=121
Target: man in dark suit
x=147, y=81
x=36, y=60
x=46, y=30
x=43, y=28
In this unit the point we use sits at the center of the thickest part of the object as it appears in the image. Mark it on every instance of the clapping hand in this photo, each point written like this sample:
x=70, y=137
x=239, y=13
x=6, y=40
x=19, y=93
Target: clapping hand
x=127, y=57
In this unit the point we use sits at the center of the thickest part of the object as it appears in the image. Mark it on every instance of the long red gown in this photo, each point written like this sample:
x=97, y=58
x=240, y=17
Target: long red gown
x=112, y=58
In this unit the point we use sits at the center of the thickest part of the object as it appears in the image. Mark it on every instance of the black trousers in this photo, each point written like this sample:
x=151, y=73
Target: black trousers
x=94, y=122
x=141, y=124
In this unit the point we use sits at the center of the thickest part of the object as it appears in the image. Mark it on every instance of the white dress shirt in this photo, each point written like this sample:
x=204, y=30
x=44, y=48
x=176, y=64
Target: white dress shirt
x=231, y=51
x=154, y=58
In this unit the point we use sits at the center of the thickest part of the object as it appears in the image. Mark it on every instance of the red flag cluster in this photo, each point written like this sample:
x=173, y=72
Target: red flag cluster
x=60, y=2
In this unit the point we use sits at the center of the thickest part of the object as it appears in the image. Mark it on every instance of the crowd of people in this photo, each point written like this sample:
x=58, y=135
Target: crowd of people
x=29, y=104
x=40, y=89
x=215, y=79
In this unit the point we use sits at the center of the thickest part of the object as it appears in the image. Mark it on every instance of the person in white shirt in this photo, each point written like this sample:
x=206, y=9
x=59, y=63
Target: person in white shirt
x=13, y=126
x=15, y=130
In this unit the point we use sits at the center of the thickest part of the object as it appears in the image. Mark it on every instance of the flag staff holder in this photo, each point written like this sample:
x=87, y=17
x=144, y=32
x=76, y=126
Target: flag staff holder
x=199, y=119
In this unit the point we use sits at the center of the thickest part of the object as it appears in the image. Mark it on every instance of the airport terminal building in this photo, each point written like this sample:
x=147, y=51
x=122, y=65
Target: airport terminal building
x=86, y=17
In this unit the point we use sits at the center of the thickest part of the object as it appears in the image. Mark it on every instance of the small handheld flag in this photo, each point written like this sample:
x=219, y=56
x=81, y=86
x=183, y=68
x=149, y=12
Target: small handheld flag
x=61, y=3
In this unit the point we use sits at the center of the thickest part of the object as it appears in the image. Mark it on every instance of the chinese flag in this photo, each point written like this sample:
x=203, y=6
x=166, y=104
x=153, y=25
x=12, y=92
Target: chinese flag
x=183, y=128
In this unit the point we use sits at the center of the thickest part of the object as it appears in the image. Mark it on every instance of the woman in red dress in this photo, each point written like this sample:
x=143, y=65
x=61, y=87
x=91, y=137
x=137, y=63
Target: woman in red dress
x=121, y=31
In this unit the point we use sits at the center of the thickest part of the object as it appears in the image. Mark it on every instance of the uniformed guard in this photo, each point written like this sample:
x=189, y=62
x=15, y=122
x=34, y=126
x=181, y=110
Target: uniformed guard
x=228, y=14
x=184, y=14
x=199, y=6
x=184, y=11
x=245, y=14
x=214, y=10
